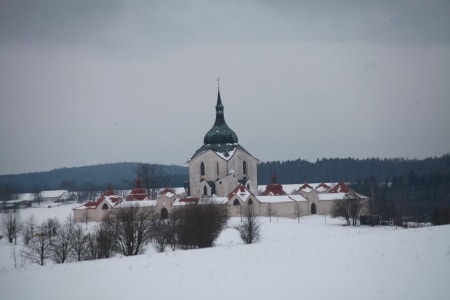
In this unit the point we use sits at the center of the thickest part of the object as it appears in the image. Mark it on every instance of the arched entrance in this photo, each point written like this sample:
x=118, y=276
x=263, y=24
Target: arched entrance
x=313, y=208
x=164, y=214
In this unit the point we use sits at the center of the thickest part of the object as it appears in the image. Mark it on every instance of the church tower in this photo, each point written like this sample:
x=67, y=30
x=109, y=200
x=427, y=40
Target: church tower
x=221, y=164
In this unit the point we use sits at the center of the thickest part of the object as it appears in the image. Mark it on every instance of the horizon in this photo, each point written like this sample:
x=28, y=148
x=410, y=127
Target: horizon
x=85, y=82
x=185, y=166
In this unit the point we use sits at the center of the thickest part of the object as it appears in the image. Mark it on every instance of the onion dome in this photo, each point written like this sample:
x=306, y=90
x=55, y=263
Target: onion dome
x=220, y=133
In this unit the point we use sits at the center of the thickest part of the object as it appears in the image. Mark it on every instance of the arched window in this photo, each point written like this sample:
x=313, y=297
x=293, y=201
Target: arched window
x=244, y=168
x=105, y=206
x=236, y=202
x=250, y=202
x=205, y=191
x=313, y=208
x=202, y=169
x=164, y=214
x=217, y=168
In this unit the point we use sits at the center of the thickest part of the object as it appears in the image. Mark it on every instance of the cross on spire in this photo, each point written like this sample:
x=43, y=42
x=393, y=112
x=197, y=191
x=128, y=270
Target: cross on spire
x=218, y=83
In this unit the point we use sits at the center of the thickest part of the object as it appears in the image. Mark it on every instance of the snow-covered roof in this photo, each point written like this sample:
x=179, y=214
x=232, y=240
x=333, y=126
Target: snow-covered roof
x=136, y=203
x=25, y=197
x=213, y=200
x=332, y=196
x=167, y=192
x=53, y=194
x=185, y=201
x=275, y=199
x=297, y=198
x=241, y=192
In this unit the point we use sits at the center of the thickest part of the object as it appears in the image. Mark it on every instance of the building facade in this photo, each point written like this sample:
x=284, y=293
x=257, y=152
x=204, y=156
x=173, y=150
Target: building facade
x=221, y=164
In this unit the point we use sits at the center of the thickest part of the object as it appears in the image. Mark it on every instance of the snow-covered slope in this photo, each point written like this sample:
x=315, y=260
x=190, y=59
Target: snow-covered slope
x=316, y=259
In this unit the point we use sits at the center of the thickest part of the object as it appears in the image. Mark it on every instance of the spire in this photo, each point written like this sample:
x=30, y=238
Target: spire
x=220, y=133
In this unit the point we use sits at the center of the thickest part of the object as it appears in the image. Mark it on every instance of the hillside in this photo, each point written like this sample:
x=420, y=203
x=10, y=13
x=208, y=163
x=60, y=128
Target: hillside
x=122, y=175
x=315, y=259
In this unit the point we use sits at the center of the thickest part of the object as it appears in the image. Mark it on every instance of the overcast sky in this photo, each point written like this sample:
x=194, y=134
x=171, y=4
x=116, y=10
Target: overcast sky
x=89, y=82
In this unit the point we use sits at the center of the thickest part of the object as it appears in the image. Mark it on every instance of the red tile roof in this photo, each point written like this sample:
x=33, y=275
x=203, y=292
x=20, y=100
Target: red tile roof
x=341, y=187
x=138, y=193
x=274, y=189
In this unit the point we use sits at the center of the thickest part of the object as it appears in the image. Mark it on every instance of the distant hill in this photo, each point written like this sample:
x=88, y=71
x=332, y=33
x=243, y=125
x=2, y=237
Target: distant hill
x=349, y=169
x=122, y=175
x=97, y=177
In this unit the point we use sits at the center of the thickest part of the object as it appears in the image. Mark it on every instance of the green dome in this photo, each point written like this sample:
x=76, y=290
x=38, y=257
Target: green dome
x=220, y=133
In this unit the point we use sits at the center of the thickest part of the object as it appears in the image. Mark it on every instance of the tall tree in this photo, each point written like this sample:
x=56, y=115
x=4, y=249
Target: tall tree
x=348, y=208
x=11, y=225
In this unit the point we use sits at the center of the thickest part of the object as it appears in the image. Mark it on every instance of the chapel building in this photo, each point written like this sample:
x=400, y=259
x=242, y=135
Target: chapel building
x=221, y=164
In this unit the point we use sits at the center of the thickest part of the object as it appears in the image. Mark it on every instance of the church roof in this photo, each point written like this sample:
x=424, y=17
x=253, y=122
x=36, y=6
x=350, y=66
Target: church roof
x=225, y=151
x=220, y=133
x=220, y=139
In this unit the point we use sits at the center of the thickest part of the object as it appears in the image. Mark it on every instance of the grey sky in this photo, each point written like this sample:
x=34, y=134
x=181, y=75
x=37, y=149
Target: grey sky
x=87, y=82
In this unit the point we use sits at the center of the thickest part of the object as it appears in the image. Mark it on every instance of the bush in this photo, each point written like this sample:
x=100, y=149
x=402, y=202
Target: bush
x=200, y=225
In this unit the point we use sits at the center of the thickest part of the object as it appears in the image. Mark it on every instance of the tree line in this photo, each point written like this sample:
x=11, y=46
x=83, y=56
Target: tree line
x=415, y=197
x=122, y=175
x=348, y=169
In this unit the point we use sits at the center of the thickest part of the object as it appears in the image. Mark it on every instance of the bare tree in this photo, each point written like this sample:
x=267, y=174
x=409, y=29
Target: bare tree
x=11, y=225
x=134, y=225
x=102, y=242
x=249, y=229
x=61, y=243
x=153, y=178
x=38, y=249
x=271, y=211
x=79, y=241
x=28, y=229
x=298, y=211
x=161, y=234
x=348, y=208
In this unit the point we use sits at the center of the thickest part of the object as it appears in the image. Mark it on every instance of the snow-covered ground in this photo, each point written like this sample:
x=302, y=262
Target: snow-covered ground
x=310, y=260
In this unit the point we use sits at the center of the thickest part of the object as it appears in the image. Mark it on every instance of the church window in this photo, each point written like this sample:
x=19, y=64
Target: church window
x=250, y=202
x=205, y=191
x=313, y=208
x=202, y=169
x=217, y=169
x=244, y=168
x=236, y=202
x=105, y=206
x=164, y=214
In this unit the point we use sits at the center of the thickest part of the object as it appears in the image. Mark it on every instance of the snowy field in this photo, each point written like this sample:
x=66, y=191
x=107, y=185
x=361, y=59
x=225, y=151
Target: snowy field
x=310, y=260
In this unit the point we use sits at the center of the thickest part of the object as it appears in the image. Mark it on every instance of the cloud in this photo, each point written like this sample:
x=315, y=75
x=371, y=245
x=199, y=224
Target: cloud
x=84, y=82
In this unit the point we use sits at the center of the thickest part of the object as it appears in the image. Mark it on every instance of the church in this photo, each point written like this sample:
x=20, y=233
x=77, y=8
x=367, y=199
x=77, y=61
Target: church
x=221, y=164
x=222, y=172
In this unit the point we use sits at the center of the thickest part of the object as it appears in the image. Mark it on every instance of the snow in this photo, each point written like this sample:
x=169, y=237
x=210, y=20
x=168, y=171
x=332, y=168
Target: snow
x=332, y=196
x=137, y=203
x=227, y=155
x=280, y=199
x=53, y=194
x=213, y=200
x=314, y=259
